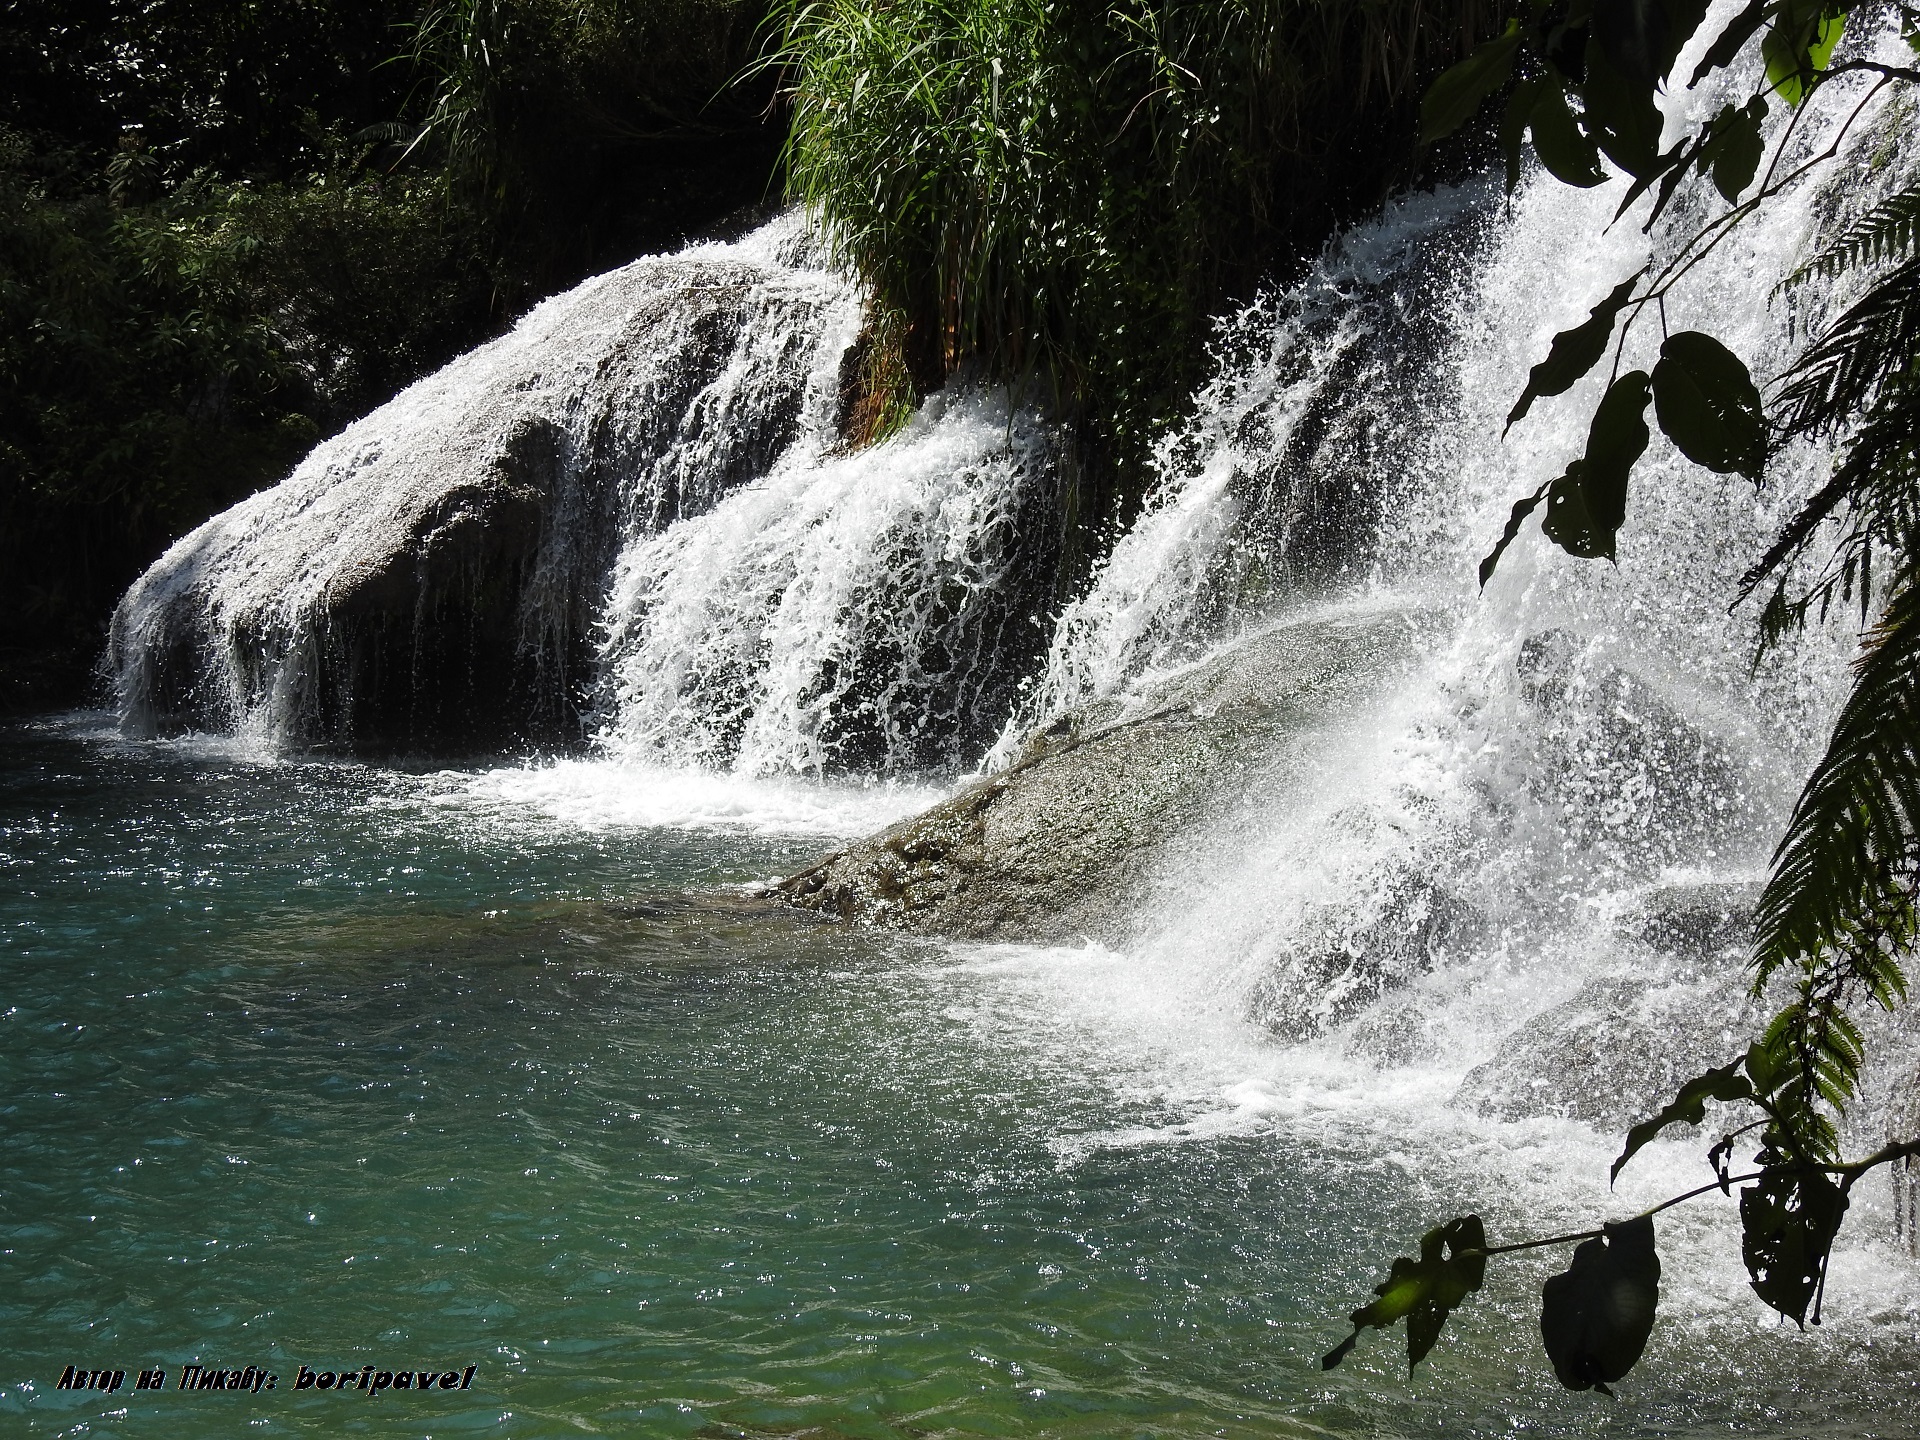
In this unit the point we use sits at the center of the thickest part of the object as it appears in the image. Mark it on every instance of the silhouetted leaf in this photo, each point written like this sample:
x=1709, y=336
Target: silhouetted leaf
x=1596, y=1317
x=1513, y=124
x=1451, y=100
x=1521, y=509
x=1569, y=155
x=1737, y=146
x=1587, y=506
x=1642, y=37
x=1452, y=1264
x=1688, y=1107
x=1708, y=405
x=1742, y=28
x=1620, y=115
x=1788, y=1219
x=1574, y=352
x=1668, y=169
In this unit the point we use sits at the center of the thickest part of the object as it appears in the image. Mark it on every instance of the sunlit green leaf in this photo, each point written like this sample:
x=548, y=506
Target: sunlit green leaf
x=1595, y=1317
x=1708, y=405
x=1423, y=1292
x=1688, y=1107
x=1800, y=44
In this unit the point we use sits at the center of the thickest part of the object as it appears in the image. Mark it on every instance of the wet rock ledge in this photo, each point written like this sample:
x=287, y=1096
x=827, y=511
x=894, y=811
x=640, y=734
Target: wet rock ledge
x=1065, y=843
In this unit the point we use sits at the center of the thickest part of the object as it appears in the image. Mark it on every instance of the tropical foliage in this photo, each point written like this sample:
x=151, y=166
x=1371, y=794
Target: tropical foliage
x=1836, y=921
x=1066, y=193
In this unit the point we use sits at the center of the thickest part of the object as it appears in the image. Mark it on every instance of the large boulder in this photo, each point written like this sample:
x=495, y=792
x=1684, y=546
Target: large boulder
x=1622, y=1045
x=430, y=578
x=1064, y=843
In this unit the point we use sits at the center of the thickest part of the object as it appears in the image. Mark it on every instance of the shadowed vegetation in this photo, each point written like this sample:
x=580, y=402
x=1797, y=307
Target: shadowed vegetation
x=226, y=231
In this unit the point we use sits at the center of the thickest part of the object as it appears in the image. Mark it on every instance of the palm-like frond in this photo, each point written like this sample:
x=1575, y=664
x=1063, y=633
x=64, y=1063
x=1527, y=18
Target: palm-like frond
x=1840, y=905
x=1878, y=484
x=1876, y=340
x=1885, y=232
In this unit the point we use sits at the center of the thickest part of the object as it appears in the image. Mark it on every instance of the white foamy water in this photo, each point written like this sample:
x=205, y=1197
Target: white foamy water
x=867, y=611
x=1453, y=931
x=632, y=402
x=606, y=795
x=1482, y=917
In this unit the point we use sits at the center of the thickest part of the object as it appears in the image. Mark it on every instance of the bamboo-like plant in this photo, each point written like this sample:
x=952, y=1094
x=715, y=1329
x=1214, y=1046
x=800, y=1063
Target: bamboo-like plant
x=1064, y=194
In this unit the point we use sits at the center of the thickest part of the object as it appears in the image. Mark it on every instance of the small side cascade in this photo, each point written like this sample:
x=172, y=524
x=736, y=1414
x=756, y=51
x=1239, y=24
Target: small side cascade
x=429, y=577
x=868, y=612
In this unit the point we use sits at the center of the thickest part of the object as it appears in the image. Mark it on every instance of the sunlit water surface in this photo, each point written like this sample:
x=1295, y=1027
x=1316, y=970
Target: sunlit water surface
x=331, y=1065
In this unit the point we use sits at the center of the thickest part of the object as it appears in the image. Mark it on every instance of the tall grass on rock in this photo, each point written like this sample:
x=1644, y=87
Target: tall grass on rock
x=1066, y=193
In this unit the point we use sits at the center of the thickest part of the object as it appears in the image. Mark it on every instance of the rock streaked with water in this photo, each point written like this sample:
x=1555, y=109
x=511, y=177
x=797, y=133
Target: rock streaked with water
x=1064, y=844
x=431, y=577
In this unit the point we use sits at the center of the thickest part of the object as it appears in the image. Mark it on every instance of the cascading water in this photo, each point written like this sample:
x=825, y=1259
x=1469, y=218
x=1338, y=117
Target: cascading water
x=1520, y=879
x=636, y=511
x=1436, y=955
x=440, y=561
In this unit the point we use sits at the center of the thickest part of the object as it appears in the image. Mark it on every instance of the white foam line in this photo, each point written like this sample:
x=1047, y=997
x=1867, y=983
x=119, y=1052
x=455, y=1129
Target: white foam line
x=598, y=795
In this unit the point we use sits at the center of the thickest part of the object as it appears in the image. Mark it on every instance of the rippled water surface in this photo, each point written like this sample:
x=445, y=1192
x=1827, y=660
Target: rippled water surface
x=323, y=1065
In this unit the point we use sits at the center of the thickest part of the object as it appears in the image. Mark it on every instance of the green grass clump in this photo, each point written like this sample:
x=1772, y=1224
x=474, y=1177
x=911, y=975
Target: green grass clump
x=1064, y=192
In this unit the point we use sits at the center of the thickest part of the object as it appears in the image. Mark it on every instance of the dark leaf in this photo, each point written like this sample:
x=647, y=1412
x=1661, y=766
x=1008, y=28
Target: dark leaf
x=1451, y=100
x=1789, y=1218
x=1587, y=506
x=1574, y=352
x=1742, y=28
x=1620, y=115
x=1569, y=521
x=1564, y=44
x=1633, y=34
x=1452, y=1264
x=1521, y=509
x=1569, y=155
x=1688, y=1107
x=1596, y=1317
x=1737, y=147
x=1513, y=124
x=1684, y=18
x=1668, y=169
x=1708, y=405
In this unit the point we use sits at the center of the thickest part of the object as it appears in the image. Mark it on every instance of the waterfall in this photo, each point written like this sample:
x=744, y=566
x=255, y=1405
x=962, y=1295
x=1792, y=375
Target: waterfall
x=433, y=573
x=1521, y=877
x=634, y=519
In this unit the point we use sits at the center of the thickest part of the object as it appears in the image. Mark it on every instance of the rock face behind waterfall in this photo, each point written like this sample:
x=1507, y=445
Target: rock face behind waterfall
x=1066, y=842
x=428, y=579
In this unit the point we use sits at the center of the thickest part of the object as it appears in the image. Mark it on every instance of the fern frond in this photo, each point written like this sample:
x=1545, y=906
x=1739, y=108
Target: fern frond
x=1878, y=484
x=1842, y=872
x=1886, y=231
x=1841, y=903
x=1841, y=374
